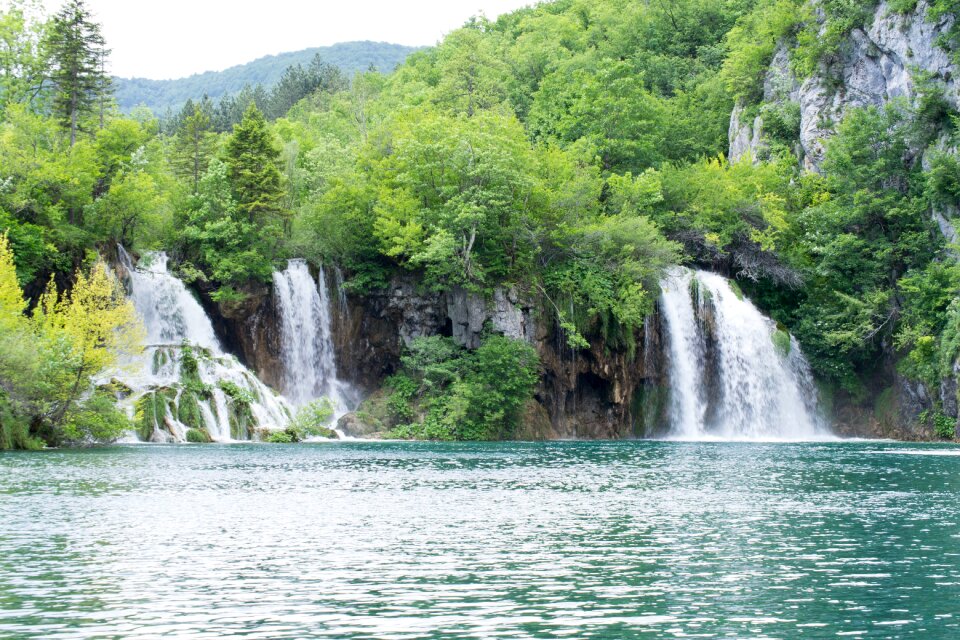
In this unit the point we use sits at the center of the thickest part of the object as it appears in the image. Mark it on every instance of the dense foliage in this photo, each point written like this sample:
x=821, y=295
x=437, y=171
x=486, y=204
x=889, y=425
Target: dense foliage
x=50, y=358
x=446, y=392
x=571, y=150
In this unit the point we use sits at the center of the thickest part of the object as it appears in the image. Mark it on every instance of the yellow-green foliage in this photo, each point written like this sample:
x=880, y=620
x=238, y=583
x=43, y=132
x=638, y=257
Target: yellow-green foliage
x=48, y=362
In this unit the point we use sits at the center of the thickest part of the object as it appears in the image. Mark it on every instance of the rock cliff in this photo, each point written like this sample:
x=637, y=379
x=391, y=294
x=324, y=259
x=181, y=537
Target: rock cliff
x=590, y=393
x=885, y=60
x=875, y=65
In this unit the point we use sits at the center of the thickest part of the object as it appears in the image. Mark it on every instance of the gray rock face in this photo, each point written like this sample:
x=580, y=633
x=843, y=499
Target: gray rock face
x=875, y=65
x=745, y=138
x=468, y=312
x=779, y=85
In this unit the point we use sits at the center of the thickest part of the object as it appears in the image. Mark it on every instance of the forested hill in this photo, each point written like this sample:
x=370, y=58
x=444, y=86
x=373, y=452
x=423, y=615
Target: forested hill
x=350, y=57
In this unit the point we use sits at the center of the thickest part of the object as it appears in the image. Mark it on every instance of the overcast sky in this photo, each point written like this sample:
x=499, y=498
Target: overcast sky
x=176, y=38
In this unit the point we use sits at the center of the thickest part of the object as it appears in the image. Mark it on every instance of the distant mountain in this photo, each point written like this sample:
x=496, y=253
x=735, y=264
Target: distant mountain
x=349, y=56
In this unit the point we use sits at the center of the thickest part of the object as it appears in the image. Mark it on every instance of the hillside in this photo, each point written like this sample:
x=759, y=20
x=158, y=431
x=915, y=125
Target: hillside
x=161, y=94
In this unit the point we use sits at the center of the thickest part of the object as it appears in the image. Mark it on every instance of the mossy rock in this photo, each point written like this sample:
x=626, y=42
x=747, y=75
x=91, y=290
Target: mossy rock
x=188, y=410
x=146, y=416
x=781, y=340
x=649, y=408
x=117, y=389
x=735, y=287
x=242, y=420
x=360, y=424
x=534, y=423
x=885, y=408
x=198, y=436
x=160, y=359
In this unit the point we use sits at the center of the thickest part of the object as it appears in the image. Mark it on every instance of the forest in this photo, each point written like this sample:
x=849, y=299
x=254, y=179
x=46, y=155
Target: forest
x=163, y=95
x=572, y=150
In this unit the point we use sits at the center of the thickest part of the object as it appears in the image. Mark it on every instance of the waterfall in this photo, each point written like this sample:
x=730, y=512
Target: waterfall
x=307, y=351
x=183, y=379
x=733, y=373
x=685, y=352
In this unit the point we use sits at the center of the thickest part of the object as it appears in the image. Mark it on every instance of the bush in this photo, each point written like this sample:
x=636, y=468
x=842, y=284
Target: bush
x=313, y=419
x=398, y=403
x=944, y=426
x=280, y=437
x=97, y=420
x=197, y=436
x=467, y=395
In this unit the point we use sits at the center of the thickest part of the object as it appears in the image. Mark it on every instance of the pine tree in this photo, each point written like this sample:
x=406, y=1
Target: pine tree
x=194, y=142
x=78, y=53
x=252, y=158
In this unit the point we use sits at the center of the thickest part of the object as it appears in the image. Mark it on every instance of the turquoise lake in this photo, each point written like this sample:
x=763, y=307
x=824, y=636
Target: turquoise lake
x=416, y=540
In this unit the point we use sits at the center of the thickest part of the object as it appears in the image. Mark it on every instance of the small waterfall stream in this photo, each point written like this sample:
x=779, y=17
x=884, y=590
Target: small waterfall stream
x=307, y=351
x=183, y=380
x=731, y=375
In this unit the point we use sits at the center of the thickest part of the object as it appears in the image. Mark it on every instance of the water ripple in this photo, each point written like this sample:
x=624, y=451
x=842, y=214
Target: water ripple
x=412, y=540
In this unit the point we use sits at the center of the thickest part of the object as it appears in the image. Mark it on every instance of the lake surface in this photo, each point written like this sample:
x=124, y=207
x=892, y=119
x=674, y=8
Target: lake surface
x=416, y=540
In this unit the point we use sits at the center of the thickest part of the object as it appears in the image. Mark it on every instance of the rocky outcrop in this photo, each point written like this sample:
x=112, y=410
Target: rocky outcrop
x=251, y=331
x=875, y=65
x=582, y=394
x=590, y=393
x=746, y=138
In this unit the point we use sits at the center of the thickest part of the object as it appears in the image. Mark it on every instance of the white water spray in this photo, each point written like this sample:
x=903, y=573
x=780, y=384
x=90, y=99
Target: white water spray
x=728, y=378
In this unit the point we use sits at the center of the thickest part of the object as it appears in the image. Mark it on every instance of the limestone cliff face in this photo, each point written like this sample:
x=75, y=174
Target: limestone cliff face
x=582, y=394
x=878, y=63
x=875, y=65
x=590, y=393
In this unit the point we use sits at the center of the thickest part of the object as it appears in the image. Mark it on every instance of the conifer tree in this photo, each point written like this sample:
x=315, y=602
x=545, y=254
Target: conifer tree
x=194, y=143
x=252, y=158
x=77, y=52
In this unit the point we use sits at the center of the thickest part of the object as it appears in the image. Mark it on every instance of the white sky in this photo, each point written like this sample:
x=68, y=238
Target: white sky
x=176, y=38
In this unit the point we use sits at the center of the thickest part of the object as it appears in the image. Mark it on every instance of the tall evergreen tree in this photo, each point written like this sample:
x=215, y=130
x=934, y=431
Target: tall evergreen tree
x=78, y=52
x=252, y=158
x=194, y=143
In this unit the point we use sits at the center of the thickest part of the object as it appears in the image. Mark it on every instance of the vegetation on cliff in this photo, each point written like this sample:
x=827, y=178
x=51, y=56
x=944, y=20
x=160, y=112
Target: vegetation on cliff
x=572, y=150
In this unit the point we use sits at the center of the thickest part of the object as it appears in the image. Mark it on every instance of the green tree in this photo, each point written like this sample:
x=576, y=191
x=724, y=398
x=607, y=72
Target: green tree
x=23, y=62
x=252, y=160
x=195, y=142
x=77, y=51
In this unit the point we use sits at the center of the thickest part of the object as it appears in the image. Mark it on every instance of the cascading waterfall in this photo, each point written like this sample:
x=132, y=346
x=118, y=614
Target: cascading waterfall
x=183, y=380
x=307, y=352
x=733, y=373
x=685, y=344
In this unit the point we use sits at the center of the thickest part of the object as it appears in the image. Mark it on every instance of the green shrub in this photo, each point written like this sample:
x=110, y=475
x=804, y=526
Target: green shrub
x=198, y=436
x=14, y=430
x=97, y=420
x=313, y=419
x=398, y=403
x=280, y=437
x=781, y=122
x=235, y=393
x=188, y=410
x=944, y=426
x=467, y=395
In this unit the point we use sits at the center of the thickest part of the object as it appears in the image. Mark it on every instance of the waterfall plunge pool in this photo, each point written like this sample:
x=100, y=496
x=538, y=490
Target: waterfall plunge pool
x=613, y=540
